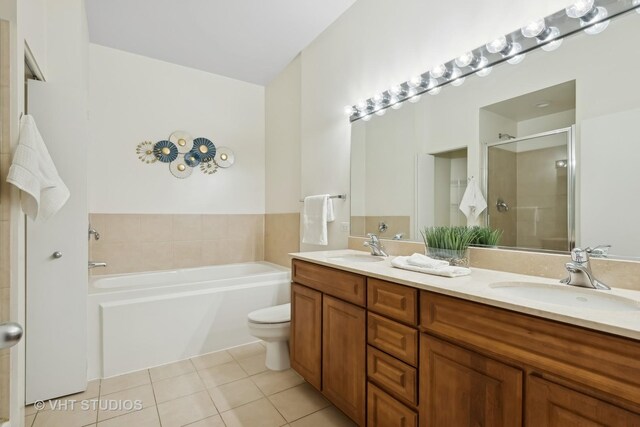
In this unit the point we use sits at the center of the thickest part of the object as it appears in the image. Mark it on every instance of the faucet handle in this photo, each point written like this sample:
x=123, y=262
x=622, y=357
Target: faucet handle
x=600, y=251
x=579, y=256
x=373, y=237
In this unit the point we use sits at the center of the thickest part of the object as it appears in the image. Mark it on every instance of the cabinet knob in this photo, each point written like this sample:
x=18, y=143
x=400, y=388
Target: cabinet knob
x=57, y=254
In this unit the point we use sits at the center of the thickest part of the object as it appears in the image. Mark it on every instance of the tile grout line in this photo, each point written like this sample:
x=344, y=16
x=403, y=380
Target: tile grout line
x=155, y=400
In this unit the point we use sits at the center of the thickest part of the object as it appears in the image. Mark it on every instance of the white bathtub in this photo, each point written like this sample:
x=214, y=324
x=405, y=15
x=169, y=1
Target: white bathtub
x=140, y=320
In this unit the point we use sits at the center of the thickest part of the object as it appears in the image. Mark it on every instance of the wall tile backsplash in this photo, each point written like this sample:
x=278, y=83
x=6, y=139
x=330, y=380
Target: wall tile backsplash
x=146, y=242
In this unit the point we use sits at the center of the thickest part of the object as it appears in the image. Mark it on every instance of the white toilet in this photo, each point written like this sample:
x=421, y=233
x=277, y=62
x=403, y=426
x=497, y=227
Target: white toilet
x=272, y=325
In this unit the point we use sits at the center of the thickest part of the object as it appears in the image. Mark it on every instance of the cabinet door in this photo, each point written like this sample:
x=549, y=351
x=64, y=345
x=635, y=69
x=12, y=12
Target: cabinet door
x=306, y=334
x=552, y=405
x=344, y=357
x=459, y=387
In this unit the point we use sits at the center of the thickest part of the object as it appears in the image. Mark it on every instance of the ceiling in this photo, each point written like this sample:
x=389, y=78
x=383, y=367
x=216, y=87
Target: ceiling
x=559, y=98
x=249, y=40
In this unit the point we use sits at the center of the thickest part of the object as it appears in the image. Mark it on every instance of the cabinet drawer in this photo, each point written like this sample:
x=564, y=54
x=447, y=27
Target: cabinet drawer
x=395, y=301
x=395, y=376
x=341, y=284
x=384, y=411
x=398, y=340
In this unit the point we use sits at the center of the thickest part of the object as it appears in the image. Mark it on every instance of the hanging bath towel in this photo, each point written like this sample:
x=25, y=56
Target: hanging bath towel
x=318, y=210
x=33, y=172
x=473, y=202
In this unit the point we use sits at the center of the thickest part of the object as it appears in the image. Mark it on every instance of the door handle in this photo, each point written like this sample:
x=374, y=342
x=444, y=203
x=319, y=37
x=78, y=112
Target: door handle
x=10, y=334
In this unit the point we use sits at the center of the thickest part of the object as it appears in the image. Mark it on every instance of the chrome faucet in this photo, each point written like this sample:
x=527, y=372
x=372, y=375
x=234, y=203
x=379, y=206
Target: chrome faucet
x=95, y=233
x=374, y=244
x=93, y=264
x=580, y=273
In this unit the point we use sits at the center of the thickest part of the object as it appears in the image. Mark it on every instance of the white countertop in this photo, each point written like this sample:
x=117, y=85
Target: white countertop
x=476, y=287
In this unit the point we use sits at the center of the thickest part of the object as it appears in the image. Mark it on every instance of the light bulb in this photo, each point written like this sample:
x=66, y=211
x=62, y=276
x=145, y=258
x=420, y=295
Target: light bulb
x=438, y=71
x=378, y=97
x=434, y=91
x=484, y=72
x=465, y=59
x=396, y=90
x=551, y=46
x=600, y=14
x=361, y=105
x=348, y=110
x=454, y=74
x=597, y=28
x=415, y=99
x=497, y=45
x=416, y=81
x=516, y=59
x=367, y=118
x=636, y=4
x=514, y=50
x=381, y=112
x=397, y=105
x=533, y=29
x=432, y=83
x=458, y=82
x=579, y=8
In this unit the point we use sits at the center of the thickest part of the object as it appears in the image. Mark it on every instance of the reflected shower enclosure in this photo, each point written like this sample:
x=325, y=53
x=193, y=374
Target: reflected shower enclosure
x=530, y=190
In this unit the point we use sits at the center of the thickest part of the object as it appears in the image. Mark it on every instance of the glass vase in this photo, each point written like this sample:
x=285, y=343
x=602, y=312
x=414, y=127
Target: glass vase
x=457, y=258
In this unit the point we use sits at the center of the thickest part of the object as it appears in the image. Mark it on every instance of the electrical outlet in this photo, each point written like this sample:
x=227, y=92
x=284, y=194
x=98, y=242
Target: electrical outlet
x=344, y=226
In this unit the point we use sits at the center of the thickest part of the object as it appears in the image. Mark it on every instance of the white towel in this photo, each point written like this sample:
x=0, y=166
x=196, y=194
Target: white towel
x=473, y=202
x=445, y=271
x=318, y=210
x=33, y=172
x=424, y=261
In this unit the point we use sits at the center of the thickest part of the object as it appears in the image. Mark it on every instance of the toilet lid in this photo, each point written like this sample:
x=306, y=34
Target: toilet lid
x=275, y=314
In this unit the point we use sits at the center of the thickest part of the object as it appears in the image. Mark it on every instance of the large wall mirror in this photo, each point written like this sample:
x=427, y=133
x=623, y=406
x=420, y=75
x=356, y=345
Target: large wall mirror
x=553, y=144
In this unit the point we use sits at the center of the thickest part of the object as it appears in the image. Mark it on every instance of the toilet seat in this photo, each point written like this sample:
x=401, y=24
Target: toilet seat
x=271, y=315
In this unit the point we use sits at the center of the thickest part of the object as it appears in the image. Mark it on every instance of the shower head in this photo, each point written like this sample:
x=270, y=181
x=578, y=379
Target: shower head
x=505, y=135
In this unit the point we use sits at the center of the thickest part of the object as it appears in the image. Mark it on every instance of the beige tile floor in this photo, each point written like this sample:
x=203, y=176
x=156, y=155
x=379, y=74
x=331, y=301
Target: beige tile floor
x=229, y=388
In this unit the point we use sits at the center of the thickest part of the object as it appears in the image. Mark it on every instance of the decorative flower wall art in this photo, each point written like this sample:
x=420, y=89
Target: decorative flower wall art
x=184, y=153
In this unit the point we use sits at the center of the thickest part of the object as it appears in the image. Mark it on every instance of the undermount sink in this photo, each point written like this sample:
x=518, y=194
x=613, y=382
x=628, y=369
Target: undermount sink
x=565, y=295
x=356, y=258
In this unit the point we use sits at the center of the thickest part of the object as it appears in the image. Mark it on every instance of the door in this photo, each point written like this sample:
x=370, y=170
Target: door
x=306, y=334
x=344, y=356
x=56, y=314
x=552, y=405
x=459, y=387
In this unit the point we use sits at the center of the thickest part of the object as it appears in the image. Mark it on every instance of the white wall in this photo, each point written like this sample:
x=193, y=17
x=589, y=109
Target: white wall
x=563, y=119
x=134, y=98
x=375, y=44
x=282, y=158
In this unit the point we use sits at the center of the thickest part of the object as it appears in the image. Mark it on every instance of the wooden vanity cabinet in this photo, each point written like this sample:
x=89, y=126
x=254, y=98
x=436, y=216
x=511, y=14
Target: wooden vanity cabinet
x=388, y=355
x=477, y=361
x=328, y=334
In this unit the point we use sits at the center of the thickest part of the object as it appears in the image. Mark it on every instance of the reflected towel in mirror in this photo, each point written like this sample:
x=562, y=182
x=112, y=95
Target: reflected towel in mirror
x=473, y=202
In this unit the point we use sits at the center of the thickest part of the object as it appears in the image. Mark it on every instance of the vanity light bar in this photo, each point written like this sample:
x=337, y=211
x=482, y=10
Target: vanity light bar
x=590, y=16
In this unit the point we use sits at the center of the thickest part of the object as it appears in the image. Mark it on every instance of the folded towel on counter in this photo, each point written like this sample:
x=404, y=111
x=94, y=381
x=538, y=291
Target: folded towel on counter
x=318, y=210
x=473, y=202
x=33, y=172
x=446, y=271
x=424, y=261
